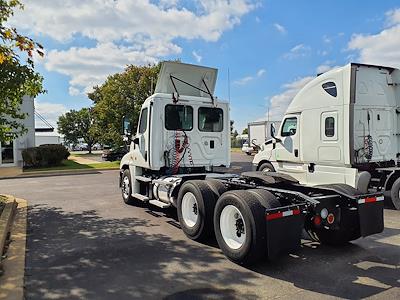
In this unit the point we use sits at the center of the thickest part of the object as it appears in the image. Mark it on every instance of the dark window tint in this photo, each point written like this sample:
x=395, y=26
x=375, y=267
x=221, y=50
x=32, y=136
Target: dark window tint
x=330, y=127
x=330, y=88
x=289, y=127
x=211, y=119
x=143, y=121
x=178, y=117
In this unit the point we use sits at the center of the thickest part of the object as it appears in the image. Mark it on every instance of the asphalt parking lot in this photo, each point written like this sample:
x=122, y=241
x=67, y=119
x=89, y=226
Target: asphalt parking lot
x=85, y=243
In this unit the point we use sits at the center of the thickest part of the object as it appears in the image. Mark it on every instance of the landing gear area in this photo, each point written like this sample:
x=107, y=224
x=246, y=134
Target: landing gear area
x=260, y=215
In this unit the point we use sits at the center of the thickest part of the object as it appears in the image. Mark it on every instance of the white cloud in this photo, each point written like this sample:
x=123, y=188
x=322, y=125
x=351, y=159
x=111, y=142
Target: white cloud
x=381, y=48
x=280, y=102
x=90, y=66
x=74, y=91
x=393, y=17
x=197, y=57
x=297, y=51
x=244, y=80
x=247, y=79
x=50, y=111
x=326, y=39
x=280, y=28
x=258, y=20
x=327, y=66
x=260, y=72
x=124, y=32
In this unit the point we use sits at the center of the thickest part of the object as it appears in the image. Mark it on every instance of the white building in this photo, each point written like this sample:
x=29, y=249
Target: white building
x=48, y=137
x=11, y=152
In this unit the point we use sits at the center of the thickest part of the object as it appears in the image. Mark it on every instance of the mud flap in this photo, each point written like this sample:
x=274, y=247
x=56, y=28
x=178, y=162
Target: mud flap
x=284, y=226
x=370, y=212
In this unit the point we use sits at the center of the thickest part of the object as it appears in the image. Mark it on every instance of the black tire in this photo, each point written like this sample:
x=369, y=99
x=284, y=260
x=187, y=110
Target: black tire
x=206, y=199
x=254, y=245
x=216, y=186
x=394, y=194
x=126, y=188
x=266, y=167
x=266, y=198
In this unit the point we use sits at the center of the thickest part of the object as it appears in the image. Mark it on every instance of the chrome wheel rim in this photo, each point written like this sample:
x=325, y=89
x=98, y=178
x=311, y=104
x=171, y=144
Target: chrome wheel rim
x=125, y=187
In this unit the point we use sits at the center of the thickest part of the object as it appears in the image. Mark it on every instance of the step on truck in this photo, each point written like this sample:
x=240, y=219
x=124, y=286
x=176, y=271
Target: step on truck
x=342, y=127
x=183, y=133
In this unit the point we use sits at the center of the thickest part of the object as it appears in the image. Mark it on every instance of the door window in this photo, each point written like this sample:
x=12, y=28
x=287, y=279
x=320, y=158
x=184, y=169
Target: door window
x=211, y=119
x=329, y=126
x=289, y=127
x=178, y=117
x=143, y=121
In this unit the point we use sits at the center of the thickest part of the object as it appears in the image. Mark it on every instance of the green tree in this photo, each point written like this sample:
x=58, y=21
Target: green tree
x=121, y=95
x=245, y=131
x=17, y=75
x=78, y=124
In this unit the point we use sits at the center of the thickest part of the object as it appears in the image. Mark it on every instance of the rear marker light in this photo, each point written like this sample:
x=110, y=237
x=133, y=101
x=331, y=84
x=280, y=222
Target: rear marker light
x=279, y=215
x=317, y=220
x=330, y=218
x=370, y=199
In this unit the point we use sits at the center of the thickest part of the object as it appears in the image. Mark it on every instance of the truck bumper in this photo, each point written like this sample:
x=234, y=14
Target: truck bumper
x=284, y=226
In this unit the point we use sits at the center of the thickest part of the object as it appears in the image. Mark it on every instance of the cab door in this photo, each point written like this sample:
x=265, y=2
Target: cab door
x=141, y=141
x=287, y=152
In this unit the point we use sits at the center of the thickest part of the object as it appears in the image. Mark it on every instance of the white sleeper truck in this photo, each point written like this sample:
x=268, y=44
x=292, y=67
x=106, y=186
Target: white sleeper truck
x=342, y=127
x=259, y=132
x=183, y=132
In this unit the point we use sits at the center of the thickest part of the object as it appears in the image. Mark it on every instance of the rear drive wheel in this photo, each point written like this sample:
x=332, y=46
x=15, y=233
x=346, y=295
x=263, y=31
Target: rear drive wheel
x=126, y=187
x=239, y=226
x=266, y=167
x=395, y=194
x=216, y=186
x=195, y=206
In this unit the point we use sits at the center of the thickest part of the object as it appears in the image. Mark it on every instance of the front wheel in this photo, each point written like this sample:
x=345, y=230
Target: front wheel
x=126, y=187
x=266, y=167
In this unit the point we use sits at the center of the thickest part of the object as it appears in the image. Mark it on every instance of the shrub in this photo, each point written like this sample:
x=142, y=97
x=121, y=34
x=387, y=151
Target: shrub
x=44, y=155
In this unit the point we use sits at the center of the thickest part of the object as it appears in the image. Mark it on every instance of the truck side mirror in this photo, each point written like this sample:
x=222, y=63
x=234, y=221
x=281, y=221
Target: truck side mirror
x=273, y=130
x=136, y=141
x=126, y=126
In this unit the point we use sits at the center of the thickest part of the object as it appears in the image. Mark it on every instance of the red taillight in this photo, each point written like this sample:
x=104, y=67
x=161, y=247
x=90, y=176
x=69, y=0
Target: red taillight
x=330, y=218
x=317, y=220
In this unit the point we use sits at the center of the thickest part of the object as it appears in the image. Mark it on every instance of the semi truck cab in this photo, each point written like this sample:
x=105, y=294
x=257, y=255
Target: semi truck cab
x=342, y=127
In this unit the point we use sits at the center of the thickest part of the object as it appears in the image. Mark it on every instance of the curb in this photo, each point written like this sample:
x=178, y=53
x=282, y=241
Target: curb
x=12, y=281
x=6, y=218
x=59, y=173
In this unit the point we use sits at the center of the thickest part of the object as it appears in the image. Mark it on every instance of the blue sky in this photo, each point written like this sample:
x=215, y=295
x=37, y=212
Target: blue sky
x=271, y=48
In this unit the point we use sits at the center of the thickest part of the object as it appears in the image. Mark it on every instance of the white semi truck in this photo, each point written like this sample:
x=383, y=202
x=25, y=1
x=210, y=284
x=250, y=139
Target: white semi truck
x=184, y=132
x=342, y=127
x=259, y=132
